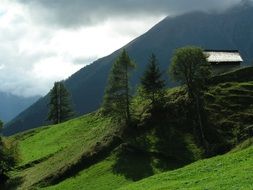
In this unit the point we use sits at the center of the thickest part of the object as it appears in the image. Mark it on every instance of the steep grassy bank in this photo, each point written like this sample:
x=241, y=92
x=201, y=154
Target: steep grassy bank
x=49, y=153
x=69, y=155
x=100, y=176
x=124, y=166
x=231, y=171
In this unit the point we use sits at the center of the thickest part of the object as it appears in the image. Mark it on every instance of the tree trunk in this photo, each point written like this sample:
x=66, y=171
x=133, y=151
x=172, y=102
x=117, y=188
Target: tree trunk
x=127, y=96
x=200, y=121
x=153, y=98
x=58, y=103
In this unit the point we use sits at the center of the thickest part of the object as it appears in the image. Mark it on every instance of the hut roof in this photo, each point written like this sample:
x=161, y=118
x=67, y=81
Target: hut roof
x=218, y=56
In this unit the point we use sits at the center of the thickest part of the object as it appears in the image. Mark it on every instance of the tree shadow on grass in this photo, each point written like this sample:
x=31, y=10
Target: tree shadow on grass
x=133, y=164
x=136, y=164
x=12, y=184
x=162, y=143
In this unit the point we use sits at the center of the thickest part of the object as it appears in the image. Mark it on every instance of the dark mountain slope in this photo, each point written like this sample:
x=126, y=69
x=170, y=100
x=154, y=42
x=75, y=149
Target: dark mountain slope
x=232, y=29
x=12, y=105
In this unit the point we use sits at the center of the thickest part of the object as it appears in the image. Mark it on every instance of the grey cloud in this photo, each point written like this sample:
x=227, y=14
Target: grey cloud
x=85, y=12
x=15, y=74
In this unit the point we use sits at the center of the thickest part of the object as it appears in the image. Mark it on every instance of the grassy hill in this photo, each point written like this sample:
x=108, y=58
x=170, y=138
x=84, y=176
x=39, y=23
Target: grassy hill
x=49, y=153
x=231, y=171
x=90, y=152
x=87, y=148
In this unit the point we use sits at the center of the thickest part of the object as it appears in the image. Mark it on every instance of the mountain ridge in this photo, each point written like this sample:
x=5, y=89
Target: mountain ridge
x=12, y=105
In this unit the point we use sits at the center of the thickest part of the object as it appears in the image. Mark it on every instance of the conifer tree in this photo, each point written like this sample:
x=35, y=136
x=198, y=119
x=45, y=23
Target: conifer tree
x=117, y=94
x=152, y=84
x=59, y=106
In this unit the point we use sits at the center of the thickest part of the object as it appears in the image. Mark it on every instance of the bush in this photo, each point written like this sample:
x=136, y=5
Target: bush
x=8, y=159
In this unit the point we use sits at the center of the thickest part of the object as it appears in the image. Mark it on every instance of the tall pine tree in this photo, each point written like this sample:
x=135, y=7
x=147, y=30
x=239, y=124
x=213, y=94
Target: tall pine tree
x=59, y=107
x=117, y=94
x=152, y=84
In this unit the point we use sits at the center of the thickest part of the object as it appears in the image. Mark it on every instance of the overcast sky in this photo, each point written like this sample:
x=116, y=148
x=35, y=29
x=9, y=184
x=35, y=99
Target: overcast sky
x=42, y=41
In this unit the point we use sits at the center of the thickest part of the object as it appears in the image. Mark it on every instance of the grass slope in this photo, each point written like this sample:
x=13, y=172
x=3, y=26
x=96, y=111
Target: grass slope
x=99, y=176
x=50, y=140
x=231, y=171
x=48, y=151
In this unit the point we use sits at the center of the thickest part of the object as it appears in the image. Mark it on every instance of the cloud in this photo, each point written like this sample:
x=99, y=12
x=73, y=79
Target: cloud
x=74, y=13
x=2, y=67
x=34, y=55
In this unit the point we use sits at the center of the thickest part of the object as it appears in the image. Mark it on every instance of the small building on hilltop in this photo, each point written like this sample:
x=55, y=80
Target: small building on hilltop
x=224, y=60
